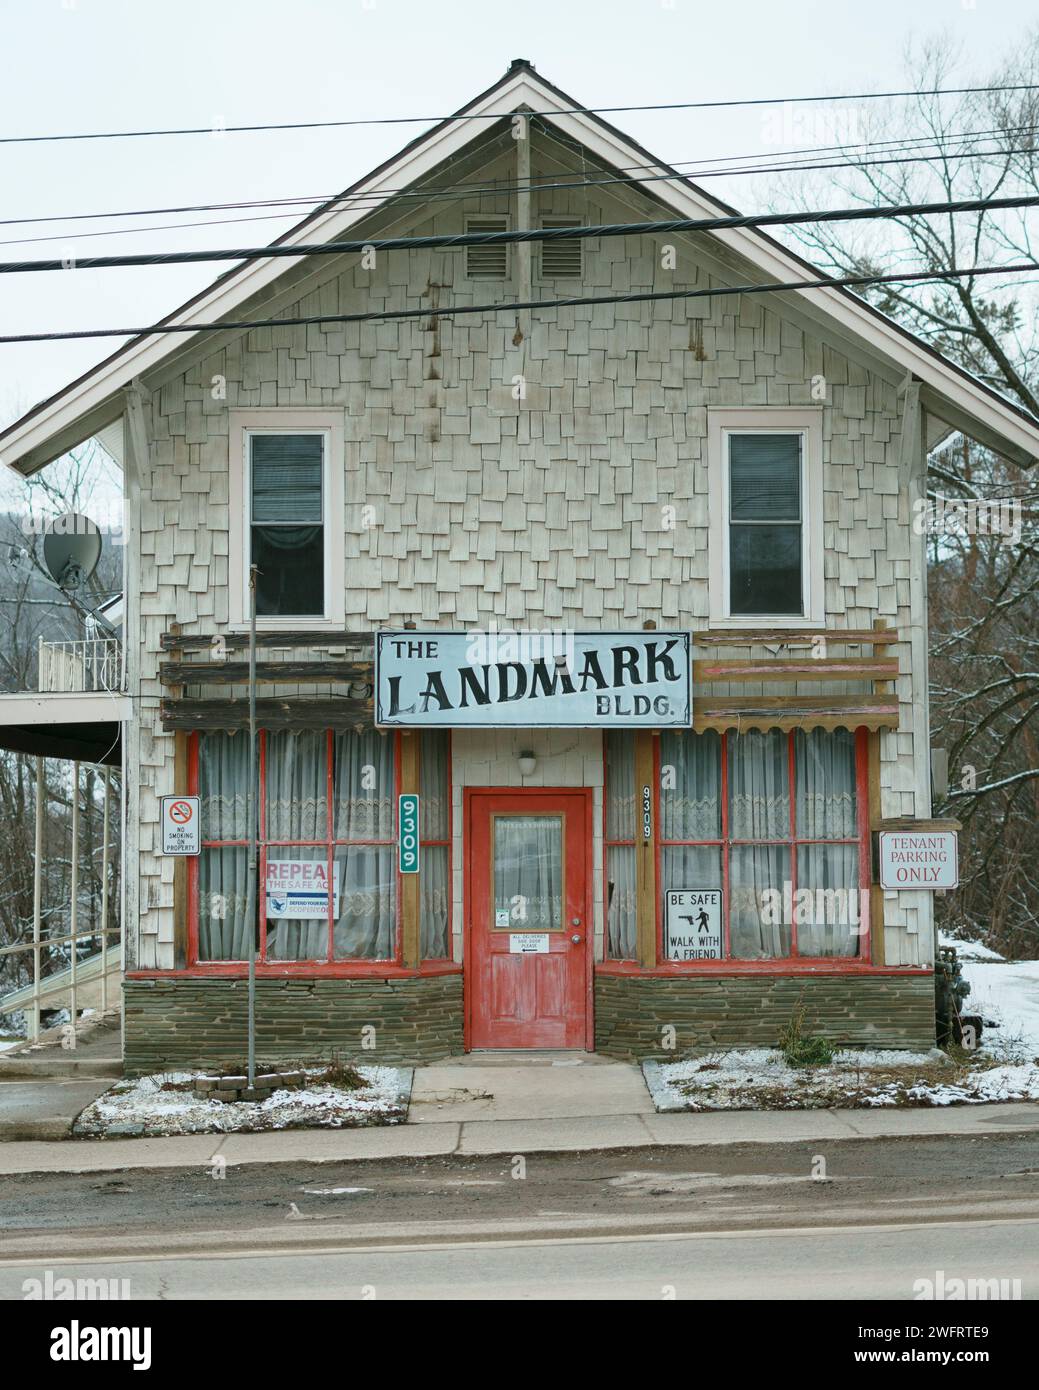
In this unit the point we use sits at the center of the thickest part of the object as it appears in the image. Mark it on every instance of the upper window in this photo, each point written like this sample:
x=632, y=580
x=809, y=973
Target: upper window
x=766, y=517
x=287, y=522
x=286, y=495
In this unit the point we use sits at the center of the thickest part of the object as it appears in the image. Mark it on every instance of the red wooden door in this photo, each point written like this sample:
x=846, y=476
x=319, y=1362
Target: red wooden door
x=528, y=958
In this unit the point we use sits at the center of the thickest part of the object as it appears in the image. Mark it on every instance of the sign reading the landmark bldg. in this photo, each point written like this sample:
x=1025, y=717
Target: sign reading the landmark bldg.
x=533, y=679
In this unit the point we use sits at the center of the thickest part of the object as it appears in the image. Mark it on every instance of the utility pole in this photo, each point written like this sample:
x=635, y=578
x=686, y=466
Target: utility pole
x=252, y=804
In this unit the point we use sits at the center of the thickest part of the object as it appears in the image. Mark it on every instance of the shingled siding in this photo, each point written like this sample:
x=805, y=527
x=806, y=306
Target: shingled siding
x=193, y=1022
x=583, y=504
x=632, y=1013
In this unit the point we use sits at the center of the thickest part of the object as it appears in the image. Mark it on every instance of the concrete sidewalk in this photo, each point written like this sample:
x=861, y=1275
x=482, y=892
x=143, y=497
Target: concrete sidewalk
x=437, y=1137
x=483, y=1103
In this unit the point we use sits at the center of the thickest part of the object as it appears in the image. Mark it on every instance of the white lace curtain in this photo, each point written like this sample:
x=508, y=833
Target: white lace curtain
x=528, y=871
x=621, y=896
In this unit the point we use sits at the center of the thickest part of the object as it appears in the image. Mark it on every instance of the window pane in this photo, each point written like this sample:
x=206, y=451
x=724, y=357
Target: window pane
x=620, y=787
x=759, y=786
x=434, y=901
x=828, y=923
x=364, y=786
x=291, y=570
x=621, y=898
x=222, y=893
x=824, y=774
x=690, y=786
x=765, y=477
x=754, y=932
x=765, y=569
x=297, y=786
x=297, y=903
x=435, y=803
x=286, y=478
x=366, y=926
x=690, y=867
x=528, y=872
x=223, y=784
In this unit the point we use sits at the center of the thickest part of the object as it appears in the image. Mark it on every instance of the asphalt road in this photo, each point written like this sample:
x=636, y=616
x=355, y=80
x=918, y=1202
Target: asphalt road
x=847, y=1219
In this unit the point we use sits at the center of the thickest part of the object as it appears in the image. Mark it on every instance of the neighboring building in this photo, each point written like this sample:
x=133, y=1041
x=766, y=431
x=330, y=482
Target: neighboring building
x=720, y=487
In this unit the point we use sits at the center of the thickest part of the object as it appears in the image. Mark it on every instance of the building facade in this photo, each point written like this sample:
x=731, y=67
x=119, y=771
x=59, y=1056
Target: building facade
x=628, y=594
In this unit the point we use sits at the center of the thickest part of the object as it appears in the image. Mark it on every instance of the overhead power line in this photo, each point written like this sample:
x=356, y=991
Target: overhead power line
x=507, y=115
x=543, y=234
x=365, y=202
x=575, y=301
x=625, y=173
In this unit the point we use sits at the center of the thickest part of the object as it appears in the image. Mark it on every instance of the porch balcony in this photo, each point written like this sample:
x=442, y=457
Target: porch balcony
x=90, y=666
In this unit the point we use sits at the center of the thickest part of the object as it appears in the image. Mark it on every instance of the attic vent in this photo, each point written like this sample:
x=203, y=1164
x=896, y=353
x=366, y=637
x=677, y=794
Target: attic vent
x=561, y=260
x=490, y=262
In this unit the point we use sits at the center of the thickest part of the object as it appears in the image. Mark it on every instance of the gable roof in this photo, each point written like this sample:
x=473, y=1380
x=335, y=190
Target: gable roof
x=94, y=400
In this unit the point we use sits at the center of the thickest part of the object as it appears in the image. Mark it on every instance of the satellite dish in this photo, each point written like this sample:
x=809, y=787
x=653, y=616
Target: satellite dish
x=71, y=550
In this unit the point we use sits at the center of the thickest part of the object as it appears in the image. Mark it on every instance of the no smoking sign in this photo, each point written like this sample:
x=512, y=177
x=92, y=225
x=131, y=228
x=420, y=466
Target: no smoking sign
x=180, y=825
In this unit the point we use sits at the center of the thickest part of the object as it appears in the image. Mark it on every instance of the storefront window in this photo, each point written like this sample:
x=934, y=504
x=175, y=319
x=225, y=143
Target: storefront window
x=621, y=895
x=771, y=820
x=435, y=855
x=327, y=816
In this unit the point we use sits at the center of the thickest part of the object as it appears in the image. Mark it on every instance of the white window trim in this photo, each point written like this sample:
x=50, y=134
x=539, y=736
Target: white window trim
x=243, y=423
x=808, y=422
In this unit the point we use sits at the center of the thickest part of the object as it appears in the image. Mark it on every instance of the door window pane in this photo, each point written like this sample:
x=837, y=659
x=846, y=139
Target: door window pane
x=528, y=873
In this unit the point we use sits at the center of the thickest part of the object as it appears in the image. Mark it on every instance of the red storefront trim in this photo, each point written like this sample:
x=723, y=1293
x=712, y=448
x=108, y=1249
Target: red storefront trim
x=343, y=970
x=680, y=969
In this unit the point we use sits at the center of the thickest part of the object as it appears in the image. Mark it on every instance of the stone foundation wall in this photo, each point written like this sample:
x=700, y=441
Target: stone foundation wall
x=631, y=1012
x=183, y=1022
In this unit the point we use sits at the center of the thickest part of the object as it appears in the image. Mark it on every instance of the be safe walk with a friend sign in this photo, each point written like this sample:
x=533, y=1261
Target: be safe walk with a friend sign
x=532, y=679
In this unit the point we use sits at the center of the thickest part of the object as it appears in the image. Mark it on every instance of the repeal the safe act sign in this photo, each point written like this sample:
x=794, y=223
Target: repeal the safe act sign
x=531, y=680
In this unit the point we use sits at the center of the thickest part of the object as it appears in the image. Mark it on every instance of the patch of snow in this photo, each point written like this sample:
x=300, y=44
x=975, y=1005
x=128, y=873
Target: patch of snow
x=1006, y=994
x=762, y=1079
x=146, y=1101
x=969, y=950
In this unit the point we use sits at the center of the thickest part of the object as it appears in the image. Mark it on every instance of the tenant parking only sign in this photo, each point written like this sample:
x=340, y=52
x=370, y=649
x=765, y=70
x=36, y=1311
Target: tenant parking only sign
x=533, y=679
x=918, y=859
x=180, y=825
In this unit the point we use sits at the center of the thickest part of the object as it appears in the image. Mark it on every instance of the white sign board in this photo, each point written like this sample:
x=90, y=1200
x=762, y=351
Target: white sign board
x=181, y=833
x=693, y=924
x=298, y=888
x=532, y=680
x=919, y=859
x=528, y=943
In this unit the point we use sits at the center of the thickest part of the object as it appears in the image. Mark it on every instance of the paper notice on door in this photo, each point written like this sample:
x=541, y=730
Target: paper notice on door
x=528, y=943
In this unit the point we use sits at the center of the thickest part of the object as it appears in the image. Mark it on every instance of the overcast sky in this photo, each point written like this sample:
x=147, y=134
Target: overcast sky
x=90, y=65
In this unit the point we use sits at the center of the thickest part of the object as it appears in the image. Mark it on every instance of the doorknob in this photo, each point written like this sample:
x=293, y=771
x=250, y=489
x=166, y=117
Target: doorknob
x=576, y=939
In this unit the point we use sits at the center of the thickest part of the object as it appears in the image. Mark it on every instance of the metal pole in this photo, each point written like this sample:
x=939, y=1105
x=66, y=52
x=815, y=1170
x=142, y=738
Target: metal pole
x=37, y=901
x=74, y=905
x=104, y=900
x=252, y=805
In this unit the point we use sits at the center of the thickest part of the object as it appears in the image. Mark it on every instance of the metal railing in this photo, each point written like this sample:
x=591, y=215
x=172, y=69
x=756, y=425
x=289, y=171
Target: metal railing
x=86, y=666
x=75, y=935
